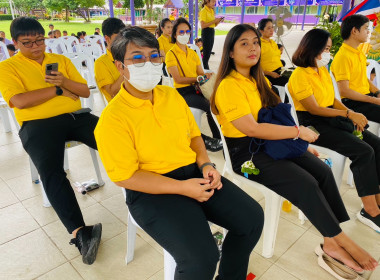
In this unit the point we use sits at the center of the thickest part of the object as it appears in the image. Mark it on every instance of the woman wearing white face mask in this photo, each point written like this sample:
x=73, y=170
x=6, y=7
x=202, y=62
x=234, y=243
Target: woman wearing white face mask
x=312, y=90
x=150, y=145
x=185, y=66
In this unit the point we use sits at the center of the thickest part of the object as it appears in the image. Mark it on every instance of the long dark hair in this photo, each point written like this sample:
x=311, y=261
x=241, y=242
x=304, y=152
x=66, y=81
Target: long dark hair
x=267, y=96
x=162, y=25
x=205, y=2
x=312, y=44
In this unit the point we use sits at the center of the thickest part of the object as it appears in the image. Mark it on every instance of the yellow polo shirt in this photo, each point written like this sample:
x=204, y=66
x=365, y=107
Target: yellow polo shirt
x=189, y=62
x=165, y=43
x=236, y=97
x=305, y=82
x=134, y=134
x=20, y=74
x=106, y=73
x=270, y=55
x=206, y=15
x=350, y=65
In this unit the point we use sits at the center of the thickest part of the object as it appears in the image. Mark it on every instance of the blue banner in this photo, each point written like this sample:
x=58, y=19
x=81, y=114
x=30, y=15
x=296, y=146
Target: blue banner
x=273, y=2
x=329, y=2
x=300, y=2
x=248, y=3
x=226, y=3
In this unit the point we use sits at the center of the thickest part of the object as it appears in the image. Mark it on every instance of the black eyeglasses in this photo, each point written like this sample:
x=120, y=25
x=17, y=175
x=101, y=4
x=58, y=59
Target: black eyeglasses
x=139, y=60
x=38, y=42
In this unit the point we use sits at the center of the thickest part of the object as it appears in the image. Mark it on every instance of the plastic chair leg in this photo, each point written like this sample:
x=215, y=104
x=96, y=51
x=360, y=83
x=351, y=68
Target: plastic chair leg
x=350, y=178
x=46, y=202
x=66, y=161
x=96, y=166
x=272, y=216
x=4, y=116
x=131, y=239
x=301, y=216
x=34, y=172
x=169, y=266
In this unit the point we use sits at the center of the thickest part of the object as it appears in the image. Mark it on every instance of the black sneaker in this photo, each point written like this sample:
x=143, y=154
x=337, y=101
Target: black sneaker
x=367, y=219
x=87, y=242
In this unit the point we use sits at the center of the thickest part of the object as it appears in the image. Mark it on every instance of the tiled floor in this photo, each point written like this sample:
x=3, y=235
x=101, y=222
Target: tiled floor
x=34, y=244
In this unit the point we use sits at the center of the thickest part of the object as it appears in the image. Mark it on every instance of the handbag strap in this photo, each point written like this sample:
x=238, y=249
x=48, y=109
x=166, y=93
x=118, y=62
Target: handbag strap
x=178, y=63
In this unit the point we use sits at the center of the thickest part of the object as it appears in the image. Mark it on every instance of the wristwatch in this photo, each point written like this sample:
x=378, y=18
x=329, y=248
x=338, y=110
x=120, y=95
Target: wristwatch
x=205, y=164
x=377, y=93
x=58, y=91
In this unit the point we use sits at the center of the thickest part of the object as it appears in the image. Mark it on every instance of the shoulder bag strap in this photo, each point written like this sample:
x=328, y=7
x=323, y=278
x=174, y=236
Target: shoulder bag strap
x=178, y=63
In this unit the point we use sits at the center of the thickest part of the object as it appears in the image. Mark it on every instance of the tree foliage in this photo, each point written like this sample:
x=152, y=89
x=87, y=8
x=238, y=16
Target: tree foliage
x=138, y=4
x=25, y=6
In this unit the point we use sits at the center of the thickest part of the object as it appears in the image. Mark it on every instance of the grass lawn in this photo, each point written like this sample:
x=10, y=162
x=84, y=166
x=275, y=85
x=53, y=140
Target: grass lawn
x=72, y=27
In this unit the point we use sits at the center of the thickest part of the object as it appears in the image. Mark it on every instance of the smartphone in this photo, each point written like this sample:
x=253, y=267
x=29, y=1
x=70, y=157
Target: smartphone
x=313, y=129
x=51, y=67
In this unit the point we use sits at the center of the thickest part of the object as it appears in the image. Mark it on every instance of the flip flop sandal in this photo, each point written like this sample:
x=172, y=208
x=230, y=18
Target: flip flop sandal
x=319, y=251
x=336, y=269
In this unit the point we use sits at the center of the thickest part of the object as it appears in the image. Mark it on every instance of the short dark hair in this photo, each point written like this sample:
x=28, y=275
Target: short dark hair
x=84, y=33
x=11, y=47
x=50, y=33
x=112, y=26
x=79, y=33
x=312, y=44
x=64, y=31
x=263, y=22
x=354, y=21
x=132, y=34
x=51, y=25
x=25, y=26
x=175, y=27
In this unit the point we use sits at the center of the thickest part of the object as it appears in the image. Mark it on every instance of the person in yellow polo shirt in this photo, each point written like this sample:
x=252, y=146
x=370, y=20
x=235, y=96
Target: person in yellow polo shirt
x=312, y=90
x=49, y=111
x=165, y=39
x=305, y=180
x=185, y=66
x=270, y=54
x=106, y=75
x=150, y=145
x=208, y=24
x=350, y=70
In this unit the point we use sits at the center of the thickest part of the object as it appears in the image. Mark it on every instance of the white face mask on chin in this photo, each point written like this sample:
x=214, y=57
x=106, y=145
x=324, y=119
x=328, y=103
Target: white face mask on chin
x=325, y=59
x=183, y=39
x=144, y=78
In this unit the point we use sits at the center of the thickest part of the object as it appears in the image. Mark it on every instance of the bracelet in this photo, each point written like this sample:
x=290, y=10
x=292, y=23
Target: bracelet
x=298, y=134
x=347, y=114
x=205, y=164
x=377, y=93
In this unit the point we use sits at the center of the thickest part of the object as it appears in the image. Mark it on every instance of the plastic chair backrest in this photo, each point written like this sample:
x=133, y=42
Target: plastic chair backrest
x=87, y=72
x=293, y=108
x=197, y=50
x=56, y=46
x=97, y=39
x=72, y=44
x=335, y=84
x=374, y=65
x=4, y=54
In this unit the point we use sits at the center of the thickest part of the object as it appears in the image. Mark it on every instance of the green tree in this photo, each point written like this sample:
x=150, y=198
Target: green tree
x=138, y=4
x=59, y=5
x=25, y=6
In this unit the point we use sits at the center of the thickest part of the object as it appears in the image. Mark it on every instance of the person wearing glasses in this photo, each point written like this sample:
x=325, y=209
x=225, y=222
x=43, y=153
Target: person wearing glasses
x=184, y=65
x=106, y=75
x=48, y=110
x=150, y=145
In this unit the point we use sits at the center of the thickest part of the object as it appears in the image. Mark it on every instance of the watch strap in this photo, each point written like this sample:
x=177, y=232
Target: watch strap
x=206, y=164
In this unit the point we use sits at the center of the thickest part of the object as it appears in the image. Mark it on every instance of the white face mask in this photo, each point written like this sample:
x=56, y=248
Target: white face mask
x=144, y=78
x=183, y=39
x=324, y=60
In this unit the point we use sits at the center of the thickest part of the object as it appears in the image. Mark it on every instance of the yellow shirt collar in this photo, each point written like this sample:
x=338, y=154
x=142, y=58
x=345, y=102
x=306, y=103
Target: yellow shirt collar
x=138, y=102
x=178, y=49
x=349, y=48
x=235, y=74
x=209, y=9
x=110, y=55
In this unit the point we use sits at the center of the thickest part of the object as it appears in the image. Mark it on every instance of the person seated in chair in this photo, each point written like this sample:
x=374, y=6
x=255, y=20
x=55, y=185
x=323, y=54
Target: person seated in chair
x=313, y=93
x=350, y=70
x=106, y=75
x=48, y=109
x=150, y=145
x=241, y=91
x=184, y=65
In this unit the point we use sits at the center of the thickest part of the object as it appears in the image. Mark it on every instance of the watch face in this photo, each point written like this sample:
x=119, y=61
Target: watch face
x=58, y=91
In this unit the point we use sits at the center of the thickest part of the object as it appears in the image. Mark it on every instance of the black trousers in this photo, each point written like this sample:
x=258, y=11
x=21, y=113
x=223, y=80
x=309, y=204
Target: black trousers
x=306, y=182
x=371, y=111
x=179, y=224
x=208, y=35
x=200, y=102
x=364, y=154
x=281, y=81
x=44, y=141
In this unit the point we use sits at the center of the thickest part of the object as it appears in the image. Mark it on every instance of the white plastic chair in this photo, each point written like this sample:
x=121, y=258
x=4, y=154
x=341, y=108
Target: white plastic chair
x=55, y=46
x=169, y=262
x=97, y=39
x=373, y=126
x=4, y=54
x=5, y=111
x=72, y=44
x=197, y=50
x=272, y=201
x=87, y=72
x=374, y=64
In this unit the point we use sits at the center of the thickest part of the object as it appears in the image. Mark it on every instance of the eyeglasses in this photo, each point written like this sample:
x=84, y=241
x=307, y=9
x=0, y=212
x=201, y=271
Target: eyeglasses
x=139, y=59
x=182, y=32
x=38, y=42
